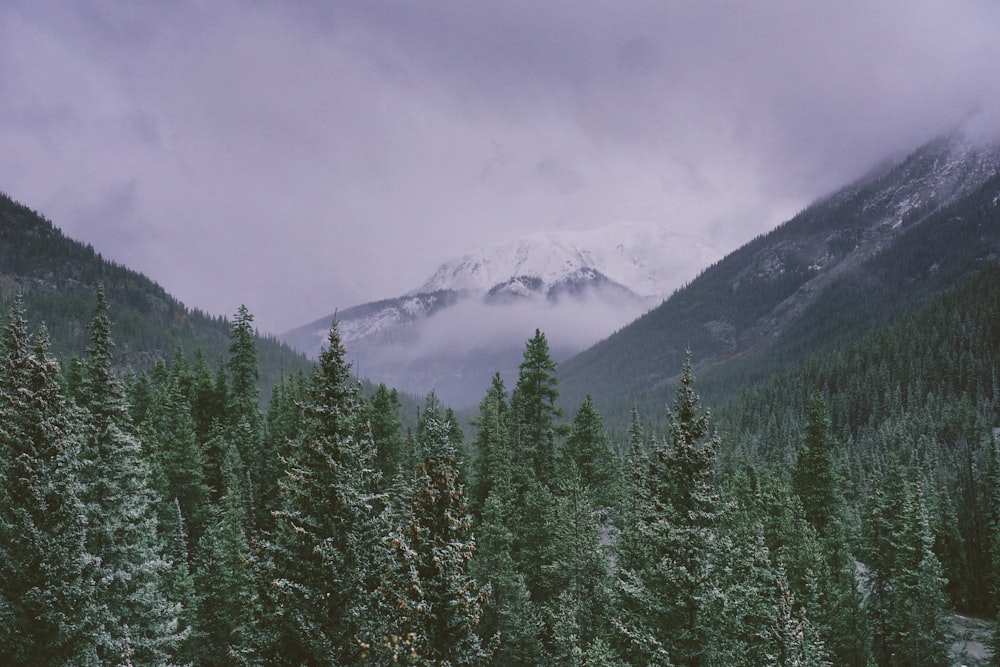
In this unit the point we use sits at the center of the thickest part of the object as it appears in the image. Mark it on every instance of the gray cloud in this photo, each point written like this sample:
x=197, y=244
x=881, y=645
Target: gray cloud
x=301, y=157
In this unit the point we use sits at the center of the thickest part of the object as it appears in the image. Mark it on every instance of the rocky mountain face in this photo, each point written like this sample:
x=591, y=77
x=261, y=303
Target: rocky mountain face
x=847, y=262
x=471, y=318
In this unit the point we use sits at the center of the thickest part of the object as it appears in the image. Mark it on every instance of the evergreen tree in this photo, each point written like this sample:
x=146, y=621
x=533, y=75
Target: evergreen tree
x=228, y=605
x=178, y=460
x=440, y=534
x=577, y=572
x=906, y=599
x=180, y=587
x=44, y=592
x=387, y=430
x=317, y=571
x=534, y=410
x=665, y=556
x=243, y=412
x=133, y=613
x=814, y=478
x=587, y=450
x=510, y=619
x=491, y=445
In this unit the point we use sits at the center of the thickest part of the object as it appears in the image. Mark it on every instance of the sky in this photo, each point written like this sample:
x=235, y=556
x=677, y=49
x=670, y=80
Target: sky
x=302, y=157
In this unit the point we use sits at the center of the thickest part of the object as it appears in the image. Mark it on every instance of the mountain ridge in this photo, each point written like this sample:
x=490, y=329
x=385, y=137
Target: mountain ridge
x=782, y=283
x=547, y=280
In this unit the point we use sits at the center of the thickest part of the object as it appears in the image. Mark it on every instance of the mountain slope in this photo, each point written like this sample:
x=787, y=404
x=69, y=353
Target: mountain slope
x=471, y=318
x=58, y=278
x=867, y=253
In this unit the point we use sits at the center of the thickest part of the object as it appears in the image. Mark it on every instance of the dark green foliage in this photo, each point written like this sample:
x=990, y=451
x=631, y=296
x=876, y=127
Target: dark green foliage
x=667, y=547
x=440, y=533
x=317, y=571
x=387, y=430
x=44, y=593
x=576, y=572
x=588, y=451
x=906, y=597
x=228, y=606
x=59, y=277
x=132, y=609
x=534, y=411
x=814, y=479
x=493, y=456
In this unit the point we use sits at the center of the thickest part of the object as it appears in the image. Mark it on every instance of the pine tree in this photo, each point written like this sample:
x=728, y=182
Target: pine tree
x=244, y=415
x=510, y=620
x=814, y=478
x=587, y=450
x=178, y=460
x=440, y=534
x=44, y=592
x=133, y=612
x=665, y=555
x=180, y=587
x=222, y=573
x=577, y=572
x=534, y=410
x=491, y=445
x=922, y=631
x=906, y=598
x=387, y=430
x=317, y=571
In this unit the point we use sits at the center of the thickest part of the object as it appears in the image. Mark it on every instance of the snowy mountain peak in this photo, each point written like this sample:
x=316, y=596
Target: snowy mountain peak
x=644, y=258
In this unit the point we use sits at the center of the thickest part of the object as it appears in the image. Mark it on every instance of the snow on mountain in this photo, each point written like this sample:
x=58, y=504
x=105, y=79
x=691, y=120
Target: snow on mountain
x=471, y=318
x=643, y=258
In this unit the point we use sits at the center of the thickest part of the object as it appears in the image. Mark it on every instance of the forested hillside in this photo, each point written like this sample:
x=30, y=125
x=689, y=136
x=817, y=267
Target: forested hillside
x=837, y=506
x=833, y=515
x=58, y=277
x=848, y=263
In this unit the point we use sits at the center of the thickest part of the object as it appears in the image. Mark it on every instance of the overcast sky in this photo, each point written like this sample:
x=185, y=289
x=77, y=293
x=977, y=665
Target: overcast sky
x=305, y=156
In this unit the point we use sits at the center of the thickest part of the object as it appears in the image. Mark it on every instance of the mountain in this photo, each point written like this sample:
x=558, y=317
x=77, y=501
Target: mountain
x=472, y=317
x=58, y=278
x=866, y=254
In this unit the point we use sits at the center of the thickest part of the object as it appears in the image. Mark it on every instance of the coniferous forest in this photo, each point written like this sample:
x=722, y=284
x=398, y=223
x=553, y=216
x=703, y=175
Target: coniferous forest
x=836, y=514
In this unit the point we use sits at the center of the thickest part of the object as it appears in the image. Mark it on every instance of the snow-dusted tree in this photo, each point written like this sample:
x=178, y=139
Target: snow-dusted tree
x=667, y=548
x=577, y=572
x=906, y=600
x=317, y=571
x=44, y=592
x=440, y=534
x=132, y=607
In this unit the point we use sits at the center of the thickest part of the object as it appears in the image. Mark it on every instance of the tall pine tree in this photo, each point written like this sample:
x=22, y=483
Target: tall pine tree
x=44, y=593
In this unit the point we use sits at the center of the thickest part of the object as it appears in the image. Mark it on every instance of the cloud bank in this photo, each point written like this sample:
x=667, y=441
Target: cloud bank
x=302, y=157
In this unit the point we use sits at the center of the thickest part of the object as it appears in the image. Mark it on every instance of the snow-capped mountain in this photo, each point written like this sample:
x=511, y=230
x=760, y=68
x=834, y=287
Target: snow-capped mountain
x=643, y=258
x=472, y=316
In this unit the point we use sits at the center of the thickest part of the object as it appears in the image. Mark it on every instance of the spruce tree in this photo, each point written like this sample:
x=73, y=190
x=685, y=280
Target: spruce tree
x=229, y=605
x=44, y=592
x=534, y=410
x=814, y=477
x=387, y=430
x=440, y=534
x=133, y=613
x=317, y=570
x=577, y=572
x=588, y=451
x=492, y=446
x=666, y=553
